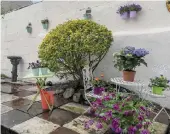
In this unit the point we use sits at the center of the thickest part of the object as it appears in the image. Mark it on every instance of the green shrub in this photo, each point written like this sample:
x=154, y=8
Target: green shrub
x=72, y=45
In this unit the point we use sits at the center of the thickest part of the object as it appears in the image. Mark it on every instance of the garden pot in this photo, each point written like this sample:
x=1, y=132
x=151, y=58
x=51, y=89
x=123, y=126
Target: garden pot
x=129, y=75
x=98, y=90
x=44, y=71
x=124, y=15
x=29, y=29
x=49, y=95
x=132, y=14
x=45, y=25
x=35, y=71
x=157, y=90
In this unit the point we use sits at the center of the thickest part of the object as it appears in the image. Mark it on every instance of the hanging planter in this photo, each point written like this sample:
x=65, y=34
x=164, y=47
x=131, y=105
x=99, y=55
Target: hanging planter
x=88, y=15
x=123, y=11
x=133, y=9
x=45, y=23
x=29, y=28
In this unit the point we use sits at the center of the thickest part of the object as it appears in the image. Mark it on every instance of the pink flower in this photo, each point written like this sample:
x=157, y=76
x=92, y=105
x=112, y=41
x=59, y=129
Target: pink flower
x=116, y=107
x=99, y=125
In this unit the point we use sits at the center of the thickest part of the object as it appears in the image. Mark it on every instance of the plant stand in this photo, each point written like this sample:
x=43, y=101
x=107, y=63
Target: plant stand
x=40, y=86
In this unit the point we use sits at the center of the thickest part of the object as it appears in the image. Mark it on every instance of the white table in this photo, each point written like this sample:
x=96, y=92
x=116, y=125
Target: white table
x=139, y=85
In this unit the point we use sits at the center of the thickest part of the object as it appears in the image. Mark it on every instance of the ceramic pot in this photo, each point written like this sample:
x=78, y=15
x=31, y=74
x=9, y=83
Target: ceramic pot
x=129, y=75
x=44, y=71
x=124, y=15
x=132, y=14
x=35, y=72
x=157, y=90
x=45, y=25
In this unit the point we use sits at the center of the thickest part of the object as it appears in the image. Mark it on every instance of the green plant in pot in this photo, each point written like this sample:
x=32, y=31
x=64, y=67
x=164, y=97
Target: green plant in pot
x=45, y=23
x=128, y=59
x=159, y=84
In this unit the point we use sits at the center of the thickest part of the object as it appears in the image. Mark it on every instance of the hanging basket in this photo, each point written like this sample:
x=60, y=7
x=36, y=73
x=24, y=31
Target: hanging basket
x=29, y=28
x=45, y=23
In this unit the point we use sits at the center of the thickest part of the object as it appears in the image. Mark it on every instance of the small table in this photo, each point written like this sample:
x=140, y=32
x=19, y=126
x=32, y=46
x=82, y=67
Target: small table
x=40, y=80
x=120, y=82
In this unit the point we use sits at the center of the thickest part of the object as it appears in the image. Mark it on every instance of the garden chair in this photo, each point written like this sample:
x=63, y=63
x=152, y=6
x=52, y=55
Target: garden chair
x=87, y=80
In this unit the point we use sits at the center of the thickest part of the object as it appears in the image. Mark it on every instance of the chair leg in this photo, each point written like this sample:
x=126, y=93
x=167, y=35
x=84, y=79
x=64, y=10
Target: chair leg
x=167, y=113
x=158, y=114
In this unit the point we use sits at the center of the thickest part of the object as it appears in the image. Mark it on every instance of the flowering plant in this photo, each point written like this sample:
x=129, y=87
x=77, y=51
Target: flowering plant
x=122, y=9
x=129, y=58
x=159, y=82
x=124, y=114
x=37, y=64
x=135, y=7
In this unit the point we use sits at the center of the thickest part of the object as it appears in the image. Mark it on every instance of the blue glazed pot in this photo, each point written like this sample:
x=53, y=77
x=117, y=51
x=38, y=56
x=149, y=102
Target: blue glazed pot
x=44, y=71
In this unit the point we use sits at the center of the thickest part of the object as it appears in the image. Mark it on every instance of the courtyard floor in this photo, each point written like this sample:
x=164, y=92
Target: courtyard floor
x=66, y=118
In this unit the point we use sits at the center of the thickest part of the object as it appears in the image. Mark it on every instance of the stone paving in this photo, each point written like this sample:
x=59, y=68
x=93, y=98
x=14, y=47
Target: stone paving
x=66, y=118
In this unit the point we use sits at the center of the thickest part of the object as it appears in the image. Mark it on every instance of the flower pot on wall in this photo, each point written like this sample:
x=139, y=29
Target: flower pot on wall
x=129, y=76
x=157, y=90
x=45, y=25
x=124, y=15
x=133, y=14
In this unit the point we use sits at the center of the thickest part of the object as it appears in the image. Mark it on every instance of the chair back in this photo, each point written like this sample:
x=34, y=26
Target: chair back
x=87, y=77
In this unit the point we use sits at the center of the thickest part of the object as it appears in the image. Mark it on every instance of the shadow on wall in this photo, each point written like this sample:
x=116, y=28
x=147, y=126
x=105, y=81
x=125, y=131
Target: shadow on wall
x=158, y=60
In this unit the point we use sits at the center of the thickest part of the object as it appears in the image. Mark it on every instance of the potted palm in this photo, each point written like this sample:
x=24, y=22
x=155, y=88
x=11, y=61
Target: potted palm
x=45, y=23
x=128, y=59
x=134, y=8
x=123, y=11
x=158, y=84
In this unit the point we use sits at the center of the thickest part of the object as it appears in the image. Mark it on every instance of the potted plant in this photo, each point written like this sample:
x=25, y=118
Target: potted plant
x=158, y=84
x=128, y=59
x=29, y=28
x=134, y=8
x=123, y=11
x=124, y=115
x=38, y=68
x=45, y=23
x=98, y=85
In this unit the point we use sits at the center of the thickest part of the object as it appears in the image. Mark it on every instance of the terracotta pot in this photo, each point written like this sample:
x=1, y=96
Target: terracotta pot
x=129, y=75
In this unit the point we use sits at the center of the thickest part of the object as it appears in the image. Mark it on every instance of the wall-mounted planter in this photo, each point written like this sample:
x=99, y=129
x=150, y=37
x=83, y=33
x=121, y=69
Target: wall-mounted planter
x=127, y=11
x=45, y=23
x=133, y=14
x=88, y=15
x=29, y=28
x=124, y=15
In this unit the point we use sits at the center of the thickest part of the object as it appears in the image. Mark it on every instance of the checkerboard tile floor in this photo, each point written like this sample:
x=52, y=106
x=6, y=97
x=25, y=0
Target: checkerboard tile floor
x=66, y=118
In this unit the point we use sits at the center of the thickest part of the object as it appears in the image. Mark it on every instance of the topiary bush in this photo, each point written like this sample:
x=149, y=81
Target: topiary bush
x=72, y=45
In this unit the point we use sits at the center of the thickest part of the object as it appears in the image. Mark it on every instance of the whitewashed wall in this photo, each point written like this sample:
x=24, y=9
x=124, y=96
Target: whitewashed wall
x=150, y=30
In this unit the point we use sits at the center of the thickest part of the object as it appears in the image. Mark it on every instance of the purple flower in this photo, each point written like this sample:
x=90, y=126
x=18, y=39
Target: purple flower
x=132, y=130
x=141, y=52
x=140, y=117
x=107, y=98
x=139, y=126
x=115, y=123
x=118, y=130
x=109, y=114
x=86, y=126
x=90, y=122
x=168, y=81
x=104, y=118
x=99, y=125
x=116, y=107
x=144, y=131
x=143, y=108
